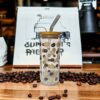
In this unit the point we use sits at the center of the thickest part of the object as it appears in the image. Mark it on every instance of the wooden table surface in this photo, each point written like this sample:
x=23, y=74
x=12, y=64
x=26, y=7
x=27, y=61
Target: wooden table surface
x=20, y=91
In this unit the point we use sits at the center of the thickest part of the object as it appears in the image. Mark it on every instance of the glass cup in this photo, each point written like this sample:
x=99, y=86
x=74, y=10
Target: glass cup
x=49, y=57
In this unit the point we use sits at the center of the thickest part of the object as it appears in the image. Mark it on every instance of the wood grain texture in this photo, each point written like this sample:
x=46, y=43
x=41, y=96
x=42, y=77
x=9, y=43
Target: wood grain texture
x=20, y=91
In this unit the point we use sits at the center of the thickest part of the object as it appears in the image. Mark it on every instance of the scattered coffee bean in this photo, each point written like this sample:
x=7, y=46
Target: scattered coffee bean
x=58, y=97
x=24, y=81
x=79, y=83
x=30, y=95
x=65, y=91
x=38, y=81
x=51, y=97
x=64, y=95
x=61, y=81
x=41, y=97
x=34, y=85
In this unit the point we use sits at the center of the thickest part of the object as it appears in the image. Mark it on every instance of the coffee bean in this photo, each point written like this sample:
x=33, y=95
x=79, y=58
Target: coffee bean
x=30, y=95
x=58, y=97
x=45, y=78
x=44, y=56
x=57, y=51
x=51, y=73
x=54, y=55
x=41, y=97
x=24, y=81
x=56, y=65
x=61, y=81
x=34, y=85
x=65, y=91
x=51, y=97
x=45, y=50
x=42, y=44
x=64, y=95
x=38, y=81
x=45, y=65
x=56, y=78
x=79, y=83
x=1, y=81
x=52, y=59
x=53, y=45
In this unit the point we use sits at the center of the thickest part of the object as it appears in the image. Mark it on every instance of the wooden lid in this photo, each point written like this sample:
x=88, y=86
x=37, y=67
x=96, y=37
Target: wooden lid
x=50, y=34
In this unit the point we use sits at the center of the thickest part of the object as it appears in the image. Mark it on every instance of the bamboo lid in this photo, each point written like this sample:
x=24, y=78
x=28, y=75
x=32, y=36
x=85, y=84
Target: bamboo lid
x=50, y=34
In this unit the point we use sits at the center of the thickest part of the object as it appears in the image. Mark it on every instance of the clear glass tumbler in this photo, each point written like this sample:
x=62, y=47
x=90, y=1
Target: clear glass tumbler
x=49, y=57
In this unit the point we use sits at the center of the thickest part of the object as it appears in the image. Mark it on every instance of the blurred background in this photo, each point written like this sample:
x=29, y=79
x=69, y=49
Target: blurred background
x=8, y=14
